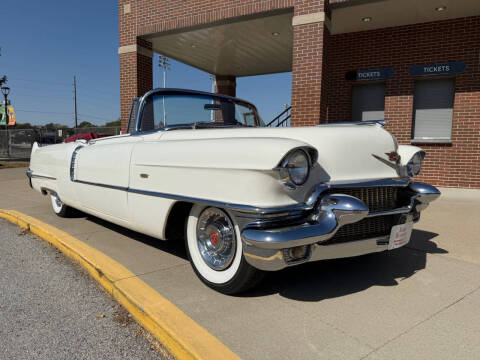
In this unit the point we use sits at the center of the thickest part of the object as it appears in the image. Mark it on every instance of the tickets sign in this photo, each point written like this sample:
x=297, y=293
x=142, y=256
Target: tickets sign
x=454, y=67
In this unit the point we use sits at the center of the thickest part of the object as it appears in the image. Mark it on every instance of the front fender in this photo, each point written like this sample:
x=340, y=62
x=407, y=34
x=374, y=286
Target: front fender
x=406, y=152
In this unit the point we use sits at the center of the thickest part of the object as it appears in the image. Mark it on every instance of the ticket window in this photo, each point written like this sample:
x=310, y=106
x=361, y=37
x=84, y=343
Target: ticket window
x=368, y=102
x=433, y=110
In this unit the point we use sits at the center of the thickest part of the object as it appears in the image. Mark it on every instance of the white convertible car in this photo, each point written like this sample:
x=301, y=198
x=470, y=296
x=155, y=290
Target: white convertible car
x=246, y=198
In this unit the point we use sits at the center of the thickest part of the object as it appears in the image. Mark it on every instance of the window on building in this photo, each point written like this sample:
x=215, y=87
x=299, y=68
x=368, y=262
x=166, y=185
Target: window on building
x=368, y=102
x=433, y=109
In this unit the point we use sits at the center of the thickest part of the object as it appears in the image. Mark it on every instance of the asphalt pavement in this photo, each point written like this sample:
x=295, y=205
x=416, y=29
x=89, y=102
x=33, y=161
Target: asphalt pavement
x=417, y=302
x=51, y=309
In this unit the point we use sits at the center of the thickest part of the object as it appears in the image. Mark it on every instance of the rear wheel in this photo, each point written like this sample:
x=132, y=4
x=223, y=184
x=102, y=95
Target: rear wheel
x=59, y=207
x=215, y=251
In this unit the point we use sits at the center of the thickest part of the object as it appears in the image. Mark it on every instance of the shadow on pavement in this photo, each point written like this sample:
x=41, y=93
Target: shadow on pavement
x=174, y=247
x=335, y=278
x=326, y=279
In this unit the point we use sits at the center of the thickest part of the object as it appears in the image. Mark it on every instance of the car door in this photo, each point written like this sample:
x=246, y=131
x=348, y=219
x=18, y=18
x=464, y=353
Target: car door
x=100, y=172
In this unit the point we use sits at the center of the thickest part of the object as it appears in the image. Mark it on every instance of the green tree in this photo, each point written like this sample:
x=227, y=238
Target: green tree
x=85, y=124
x=23, y=126
x=114, y=123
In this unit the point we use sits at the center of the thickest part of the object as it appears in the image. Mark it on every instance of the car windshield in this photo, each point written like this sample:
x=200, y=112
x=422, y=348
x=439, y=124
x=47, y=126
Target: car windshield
x=196, y=111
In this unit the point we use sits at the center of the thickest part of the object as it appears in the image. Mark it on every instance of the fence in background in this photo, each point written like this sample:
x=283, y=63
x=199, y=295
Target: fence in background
x=19, y=142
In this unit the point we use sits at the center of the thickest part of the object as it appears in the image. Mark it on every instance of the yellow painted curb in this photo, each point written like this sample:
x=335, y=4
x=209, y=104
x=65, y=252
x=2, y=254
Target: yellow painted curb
x=182, y=336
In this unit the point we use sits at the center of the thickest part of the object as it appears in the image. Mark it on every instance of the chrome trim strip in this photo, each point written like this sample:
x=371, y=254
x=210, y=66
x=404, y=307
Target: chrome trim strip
x=244, y=209
x=32, y=175
x=114, y=187
x=371, y=183
x=381, y=122
x=402, y=210
x=238, y=207
x=29, y=176
x=247, y=209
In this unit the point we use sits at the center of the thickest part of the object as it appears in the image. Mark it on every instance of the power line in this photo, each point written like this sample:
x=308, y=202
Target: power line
x=104, y=93
x=42, y=112
x=96, y=117
x=42, y=82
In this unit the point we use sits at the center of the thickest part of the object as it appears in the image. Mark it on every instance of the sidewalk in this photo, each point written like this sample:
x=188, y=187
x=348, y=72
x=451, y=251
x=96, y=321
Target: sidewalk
x=415, y=302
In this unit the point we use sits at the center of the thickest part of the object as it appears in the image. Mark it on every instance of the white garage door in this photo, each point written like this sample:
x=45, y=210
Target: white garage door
x=433, y=109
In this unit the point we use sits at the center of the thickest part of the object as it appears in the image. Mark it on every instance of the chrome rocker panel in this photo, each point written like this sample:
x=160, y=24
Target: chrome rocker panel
x=264, y=249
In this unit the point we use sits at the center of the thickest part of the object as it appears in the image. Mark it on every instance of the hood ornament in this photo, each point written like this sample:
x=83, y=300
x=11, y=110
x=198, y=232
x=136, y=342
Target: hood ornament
x=393, y=156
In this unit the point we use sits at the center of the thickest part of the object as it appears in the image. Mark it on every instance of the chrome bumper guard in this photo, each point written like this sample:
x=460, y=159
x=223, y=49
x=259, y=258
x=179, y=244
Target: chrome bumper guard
x=272, y=249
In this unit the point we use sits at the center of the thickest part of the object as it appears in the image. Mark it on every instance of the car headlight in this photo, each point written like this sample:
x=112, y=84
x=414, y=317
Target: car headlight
x=296, y=166
x=414, y=165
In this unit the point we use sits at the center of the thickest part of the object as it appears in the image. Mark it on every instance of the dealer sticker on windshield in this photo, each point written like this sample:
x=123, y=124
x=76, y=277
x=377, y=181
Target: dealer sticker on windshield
x=400, y=235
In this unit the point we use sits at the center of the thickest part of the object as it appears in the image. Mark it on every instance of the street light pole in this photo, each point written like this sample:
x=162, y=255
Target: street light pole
x=164, y=63
x=5, y=92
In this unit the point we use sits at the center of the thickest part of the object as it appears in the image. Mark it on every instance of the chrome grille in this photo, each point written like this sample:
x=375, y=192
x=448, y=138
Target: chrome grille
x=376, y=198
x=364, y=229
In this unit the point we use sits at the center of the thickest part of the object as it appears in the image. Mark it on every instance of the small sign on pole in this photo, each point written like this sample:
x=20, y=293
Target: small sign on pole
x=11, y=115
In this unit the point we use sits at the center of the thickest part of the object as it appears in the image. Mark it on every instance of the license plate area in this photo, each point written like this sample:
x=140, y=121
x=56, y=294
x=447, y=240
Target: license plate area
x=400, y=235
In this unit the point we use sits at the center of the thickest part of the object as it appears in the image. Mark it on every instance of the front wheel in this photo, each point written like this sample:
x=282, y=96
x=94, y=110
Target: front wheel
x=59, y=208
x=214, y=248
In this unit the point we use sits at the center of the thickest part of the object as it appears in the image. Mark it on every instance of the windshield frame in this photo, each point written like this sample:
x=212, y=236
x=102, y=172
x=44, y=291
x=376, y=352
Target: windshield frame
x=167, y=91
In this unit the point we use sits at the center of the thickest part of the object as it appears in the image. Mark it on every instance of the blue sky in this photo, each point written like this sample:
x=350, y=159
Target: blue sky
x=45, y=43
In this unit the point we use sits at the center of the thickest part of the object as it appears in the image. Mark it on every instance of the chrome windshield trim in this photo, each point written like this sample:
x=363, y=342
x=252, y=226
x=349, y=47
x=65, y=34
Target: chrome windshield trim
x=176, y=91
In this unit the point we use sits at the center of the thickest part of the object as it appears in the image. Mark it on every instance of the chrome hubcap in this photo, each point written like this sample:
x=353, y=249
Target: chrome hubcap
x=216, y=238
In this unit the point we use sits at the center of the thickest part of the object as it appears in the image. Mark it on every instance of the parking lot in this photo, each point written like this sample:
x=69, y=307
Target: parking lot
x=420, y=301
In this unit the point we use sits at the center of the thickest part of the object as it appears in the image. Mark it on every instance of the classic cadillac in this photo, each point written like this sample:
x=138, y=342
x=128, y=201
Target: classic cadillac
x=245, y=197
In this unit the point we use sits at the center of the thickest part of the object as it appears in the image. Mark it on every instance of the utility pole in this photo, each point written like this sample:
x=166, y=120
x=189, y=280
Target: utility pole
x=75, y=99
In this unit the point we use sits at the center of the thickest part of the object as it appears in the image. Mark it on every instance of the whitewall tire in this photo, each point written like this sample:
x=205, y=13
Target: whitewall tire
x=59, y=208
x=214, y=249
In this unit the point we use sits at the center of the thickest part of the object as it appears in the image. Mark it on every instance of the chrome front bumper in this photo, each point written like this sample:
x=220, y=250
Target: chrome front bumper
x=269, y=249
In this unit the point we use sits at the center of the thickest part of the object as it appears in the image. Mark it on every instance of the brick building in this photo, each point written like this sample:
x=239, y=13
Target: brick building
x=414, y=63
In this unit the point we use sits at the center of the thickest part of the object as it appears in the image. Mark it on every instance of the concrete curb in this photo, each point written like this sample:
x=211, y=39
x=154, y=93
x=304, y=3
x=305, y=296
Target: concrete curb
x=182, y=336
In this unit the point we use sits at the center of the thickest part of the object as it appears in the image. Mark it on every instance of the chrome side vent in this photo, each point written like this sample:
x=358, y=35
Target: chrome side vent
x=73, y=163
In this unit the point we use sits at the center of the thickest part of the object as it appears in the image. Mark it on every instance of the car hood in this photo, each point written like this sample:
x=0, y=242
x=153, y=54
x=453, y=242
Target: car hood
x=345, y=152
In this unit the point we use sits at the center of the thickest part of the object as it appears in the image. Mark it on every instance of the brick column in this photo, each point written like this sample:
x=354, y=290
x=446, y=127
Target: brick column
x=309, y=68
x=136, y=76
x=226, y=85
